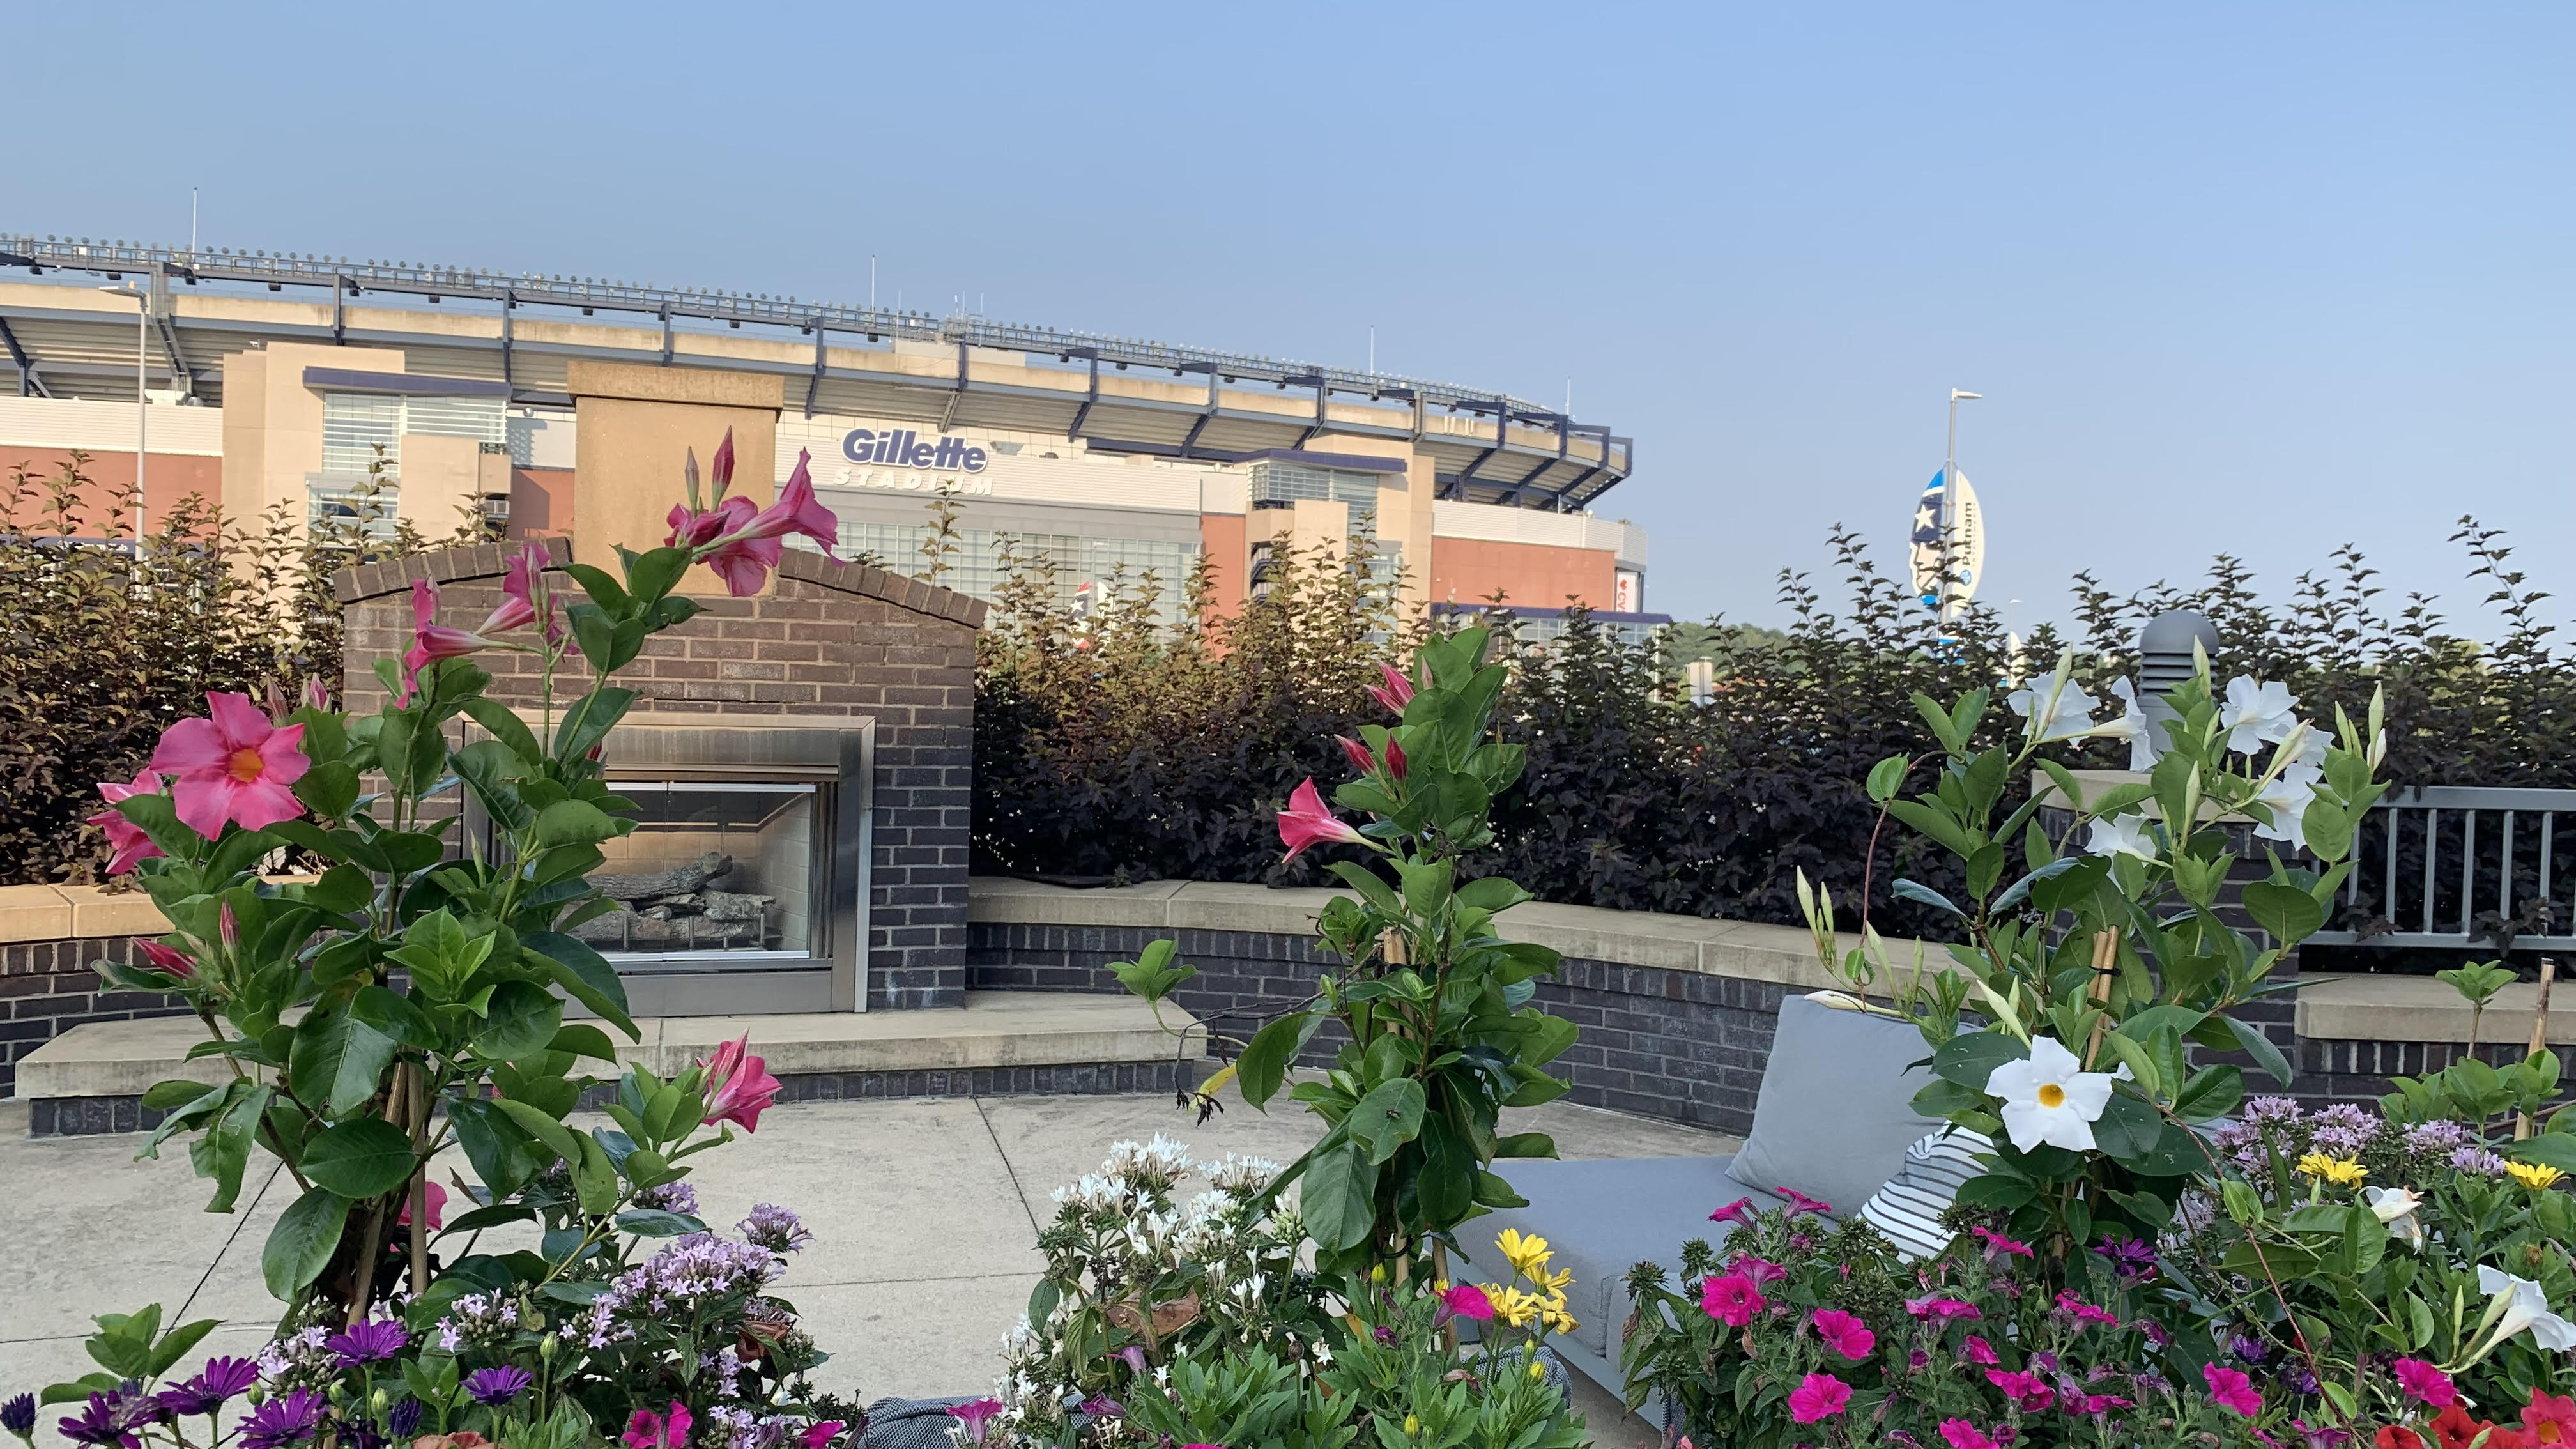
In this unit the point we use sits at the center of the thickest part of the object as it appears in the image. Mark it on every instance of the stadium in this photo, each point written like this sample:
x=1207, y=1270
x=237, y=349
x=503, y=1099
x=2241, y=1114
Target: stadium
x=559, y=405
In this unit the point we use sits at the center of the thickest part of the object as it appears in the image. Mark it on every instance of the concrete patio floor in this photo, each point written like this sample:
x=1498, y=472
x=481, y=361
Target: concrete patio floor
x=925, y=1213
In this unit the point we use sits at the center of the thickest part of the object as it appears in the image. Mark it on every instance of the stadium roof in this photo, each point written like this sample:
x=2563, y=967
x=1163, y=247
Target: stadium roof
x=958, y=370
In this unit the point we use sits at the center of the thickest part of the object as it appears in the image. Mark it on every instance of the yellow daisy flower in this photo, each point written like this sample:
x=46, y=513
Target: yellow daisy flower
x=1527, y=1255
x=2341, y=1171
x=2533, y=1175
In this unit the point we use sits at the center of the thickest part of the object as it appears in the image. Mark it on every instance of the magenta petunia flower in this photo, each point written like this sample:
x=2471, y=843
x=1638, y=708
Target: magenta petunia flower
x=1977, y=1351
x=126, y=842
x=1308, y=821
x=1466, y=1300
x=2026, y=1390
x=1761, y=1271
x=1731, y=1299
x=1739, y=1212
x=822, y=1431
x=1961, y=1434
x=2232, y=1389
x=1998, y=1246
x=975, y=1416
x=1845, y=1334
x=2426, y=1383
x=236, y=764
x=1942, y=1308
x=1818, y=1396
x=1799, y=1202
x=648, y=1430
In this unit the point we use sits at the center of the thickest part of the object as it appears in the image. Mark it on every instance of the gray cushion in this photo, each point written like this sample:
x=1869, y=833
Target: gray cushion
x=1835, y=1113
x=1603, y=1218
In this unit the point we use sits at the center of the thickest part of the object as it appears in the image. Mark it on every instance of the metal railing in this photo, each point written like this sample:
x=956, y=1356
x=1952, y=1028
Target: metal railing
x=2455, y=866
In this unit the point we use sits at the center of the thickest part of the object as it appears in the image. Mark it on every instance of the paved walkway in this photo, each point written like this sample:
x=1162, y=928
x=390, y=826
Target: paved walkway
x=925, y=1214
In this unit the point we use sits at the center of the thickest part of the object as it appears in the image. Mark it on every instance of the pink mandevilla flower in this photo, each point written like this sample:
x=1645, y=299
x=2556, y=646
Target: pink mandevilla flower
x=2232, y=1389
x=1964, y=1435
x=430, y=639
x=1845, y=1334
x=648, y=1430
x=1361, y=759
x=1397, y=691
x=2426, y=1383
x=433, y=1195
x=126, y=841
x=1308, y=821
x=1731, y=1299
x=738, y=1085
x=519, y=589
x=1818, y=1396
x=165, y=959
x=692, y=529
x=234, y=765
x=749, y=549
x=1466, y=1300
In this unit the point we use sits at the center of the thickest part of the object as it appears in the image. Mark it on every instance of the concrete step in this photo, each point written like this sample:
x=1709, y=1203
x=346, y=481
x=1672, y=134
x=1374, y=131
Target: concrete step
x=92, y=1078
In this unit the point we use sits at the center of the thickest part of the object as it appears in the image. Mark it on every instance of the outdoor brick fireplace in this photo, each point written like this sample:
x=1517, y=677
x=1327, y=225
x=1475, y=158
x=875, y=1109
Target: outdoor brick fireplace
x=801, y=762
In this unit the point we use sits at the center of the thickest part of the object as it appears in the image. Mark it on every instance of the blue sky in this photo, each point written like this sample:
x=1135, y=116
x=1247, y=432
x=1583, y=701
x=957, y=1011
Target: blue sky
x=2261, y=278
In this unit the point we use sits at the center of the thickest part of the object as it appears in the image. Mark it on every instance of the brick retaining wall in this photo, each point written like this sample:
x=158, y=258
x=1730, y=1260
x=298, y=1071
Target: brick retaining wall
x=49, y=987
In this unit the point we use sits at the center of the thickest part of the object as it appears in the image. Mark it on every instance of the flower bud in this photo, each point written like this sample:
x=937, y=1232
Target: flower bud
x=228, y=928
x=380, y=1401
x=546, y=1347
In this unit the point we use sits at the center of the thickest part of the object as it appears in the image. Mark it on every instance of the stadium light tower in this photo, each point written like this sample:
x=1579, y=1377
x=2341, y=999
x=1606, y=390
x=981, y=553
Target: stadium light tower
x=142, y=353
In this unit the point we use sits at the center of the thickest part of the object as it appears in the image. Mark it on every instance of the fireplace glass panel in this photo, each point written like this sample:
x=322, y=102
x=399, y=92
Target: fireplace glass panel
x=714, y=870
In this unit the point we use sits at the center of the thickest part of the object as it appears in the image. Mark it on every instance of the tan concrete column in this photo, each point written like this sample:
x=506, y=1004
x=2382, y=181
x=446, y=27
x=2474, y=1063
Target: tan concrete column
x=636, y=426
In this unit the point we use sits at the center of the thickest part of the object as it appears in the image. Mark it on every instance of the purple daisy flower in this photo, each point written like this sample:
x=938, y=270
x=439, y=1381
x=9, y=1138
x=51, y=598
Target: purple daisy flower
x=497, y=1386
x=370, y=1342
x=287, y=1419
x=221, y=1379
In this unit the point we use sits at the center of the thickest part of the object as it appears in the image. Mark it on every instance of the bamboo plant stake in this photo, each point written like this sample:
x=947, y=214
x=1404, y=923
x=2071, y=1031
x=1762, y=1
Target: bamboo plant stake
x=2539, y=1035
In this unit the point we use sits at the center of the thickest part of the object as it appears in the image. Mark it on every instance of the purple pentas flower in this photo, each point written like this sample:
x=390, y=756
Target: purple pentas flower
x=2478, y=1160
x=373, y=1341
x=222, y=1379
x=670, y=1197
x=775, y=1228
x=2437, y=1136
x=496, y=1386
x=287, y=1419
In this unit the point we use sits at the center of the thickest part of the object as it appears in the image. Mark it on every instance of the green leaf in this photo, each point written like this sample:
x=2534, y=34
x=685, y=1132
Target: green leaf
x=1426, y=886
x=573, y=822
x=519, y=1021
x=584, y=1041
x=301, y=1244
x=1935, y=822
x=1387, y=1118
x=488, y=767
x=1970, y=1058
x=590, y=719
x=2212, y=1092
x=174, y=1344
x=1267, y=1057
x=222, y=1152
x=338, y=1062
x=177, y=1093
x=2128, y=1129
x=1491, y=893
x=501, y=1153
x=655, y=572
x=1338, y=1196
x=543, y=1126
x=2254, y=1043
x=360, y=1159
x=1916, y=891
x=1887, y=777
x=654, y=1223
x=1152, y=975
x=1447, y=1188
x=331, y=790
x=503, y=725
x=2289, y=913
x=583, y=972
x=1371, y=886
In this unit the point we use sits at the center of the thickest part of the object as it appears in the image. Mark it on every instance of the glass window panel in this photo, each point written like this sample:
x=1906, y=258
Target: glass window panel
x=712, y=868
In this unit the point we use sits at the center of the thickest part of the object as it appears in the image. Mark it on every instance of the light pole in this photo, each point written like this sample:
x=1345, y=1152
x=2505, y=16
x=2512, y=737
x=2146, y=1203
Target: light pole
x=142, y=427
x=1950, y=493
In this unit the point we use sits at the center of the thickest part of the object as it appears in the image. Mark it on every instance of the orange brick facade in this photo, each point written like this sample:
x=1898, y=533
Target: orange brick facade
x=1469, y=570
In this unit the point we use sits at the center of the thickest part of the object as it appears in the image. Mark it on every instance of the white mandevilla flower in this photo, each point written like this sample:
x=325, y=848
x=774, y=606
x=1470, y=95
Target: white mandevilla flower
x=2396, y=1207
x=2133, y=726
x=2526, y=1307
x=2257, y=714
x=2065, y=711
x=2289, y=795
x=2127, y=835
x=2050, y=1098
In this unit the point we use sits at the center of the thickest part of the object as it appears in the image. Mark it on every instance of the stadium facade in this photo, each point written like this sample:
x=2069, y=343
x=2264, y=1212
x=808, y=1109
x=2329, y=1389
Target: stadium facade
x=561, y=405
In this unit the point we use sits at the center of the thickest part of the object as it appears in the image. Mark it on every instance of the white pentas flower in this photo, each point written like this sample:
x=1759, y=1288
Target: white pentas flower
x=2049, y=1097
x=2127, y=835
x=2134, y=726
x=2256, y=714
x=2525, y=1307
x=2057, y=707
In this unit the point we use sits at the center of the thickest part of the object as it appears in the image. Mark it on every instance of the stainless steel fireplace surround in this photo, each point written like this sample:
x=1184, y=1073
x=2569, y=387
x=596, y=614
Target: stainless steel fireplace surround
x=743, y=889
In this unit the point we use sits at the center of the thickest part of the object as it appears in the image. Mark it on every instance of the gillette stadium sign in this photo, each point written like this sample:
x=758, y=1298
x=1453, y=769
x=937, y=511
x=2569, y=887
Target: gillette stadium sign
x=905, y=448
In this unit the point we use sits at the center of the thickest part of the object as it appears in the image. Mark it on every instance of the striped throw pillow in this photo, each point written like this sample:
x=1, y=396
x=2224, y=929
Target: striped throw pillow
x=1909, y=1208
